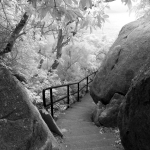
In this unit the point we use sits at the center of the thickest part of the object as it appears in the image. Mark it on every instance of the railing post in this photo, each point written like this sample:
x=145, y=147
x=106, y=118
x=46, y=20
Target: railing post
x=68, y=95
x=44, y=101
x=51, y=98
x=78, y=91
x=87, y=82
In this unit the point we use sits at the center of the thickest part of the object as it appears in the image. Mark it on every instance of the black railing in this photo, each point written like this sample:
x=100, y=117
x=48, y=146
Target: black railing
x=52, y=102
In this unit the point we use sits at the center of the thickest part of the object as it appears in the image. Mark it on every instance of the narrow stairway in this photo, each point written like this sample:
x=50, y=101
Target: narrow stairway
x=79, y=132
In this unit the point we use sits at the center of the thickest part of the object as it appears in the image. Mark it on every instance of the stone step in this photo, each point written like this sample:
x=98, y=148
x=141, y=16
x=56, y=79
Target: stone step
x=74, y=117
x=99, y=148
x=88, y=144
x=82, y=117
x=80, y=133
x=91, y=137
x=95, y=148
x=75, y=124
x=82, y=105
x=77, y=112
x=65, y=121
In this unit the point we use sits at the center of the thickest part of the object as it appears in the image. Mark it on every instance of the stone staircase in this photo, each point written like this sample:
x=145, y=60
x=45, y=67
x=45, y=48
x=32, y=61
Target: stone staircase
x=78, y=130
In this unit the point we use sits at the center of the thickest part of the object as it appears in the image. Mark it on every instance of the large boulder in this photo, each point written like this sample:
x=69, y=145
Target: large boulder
x=107, y=115
x=134, y=115
x=97, y=112
x=21, y=125
x=124, y=59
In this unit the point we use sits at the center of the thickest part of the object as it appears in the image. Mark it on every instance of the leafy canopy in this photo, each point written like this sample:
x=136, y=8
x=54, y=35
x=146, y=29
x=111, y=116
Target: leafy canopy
x=88, y=13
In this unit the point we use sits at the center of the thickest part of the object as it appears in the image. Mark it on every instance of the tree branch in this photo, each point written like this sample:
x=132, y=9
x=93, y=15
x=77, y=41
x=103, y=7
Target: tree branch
x=15, y=34
x=59, y=44
x=65, y=42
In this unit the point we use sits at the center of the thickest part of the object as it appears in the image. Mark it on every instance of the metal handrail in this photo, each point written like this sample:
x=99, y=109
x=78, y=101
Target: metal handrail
x=51, y=104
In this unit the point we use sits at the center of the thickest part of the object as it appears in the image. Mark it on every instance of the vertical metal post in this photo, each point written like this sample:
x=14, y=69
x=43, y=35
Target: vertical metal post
x=78, y=91
x=51, y=98
x=87, y=82
x=68, y=95
x=44, y=100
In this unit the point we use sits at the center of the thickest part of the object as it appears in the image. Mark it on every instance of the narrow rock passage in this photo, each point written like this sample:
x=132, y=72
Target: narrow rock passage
x=79, y=131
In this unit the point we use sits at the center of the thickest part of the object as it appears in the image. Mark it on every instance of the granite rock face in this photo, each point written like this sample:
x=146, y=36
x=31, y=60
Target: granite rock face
x=21, y=125
x=134, y=115
x=124, y=59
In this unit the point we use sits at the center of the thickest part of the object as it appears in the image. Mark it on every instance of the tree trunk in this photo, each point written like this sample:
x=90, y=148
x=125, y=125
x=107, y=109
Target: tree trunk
x=15, y=34
x=59, y=50
x=60, y=45
x=54, y=65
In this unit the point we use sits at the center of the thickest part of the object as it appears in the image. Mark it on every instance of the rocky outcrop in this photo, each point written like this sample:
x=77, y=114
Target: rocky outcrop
x=97, y=112
x=50, y=122
x=107, y=115
x=124, y=59
x=21, y=125
x=134, y=115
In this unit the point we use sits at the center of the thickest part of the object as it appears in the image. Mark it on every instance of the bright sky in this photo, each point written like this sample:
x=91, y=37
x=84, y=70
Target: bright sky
x=117, y=6
x=118, y=17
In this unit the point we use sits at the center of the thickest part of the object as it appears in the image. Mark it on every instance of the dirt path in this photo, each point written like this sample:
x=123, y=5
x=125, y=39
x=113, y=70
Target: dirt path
x=79, y=132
